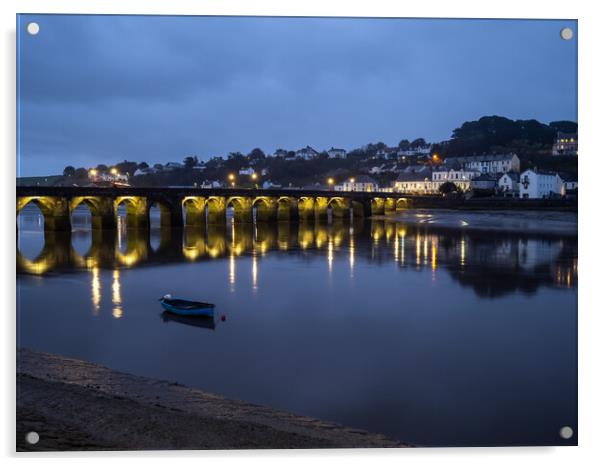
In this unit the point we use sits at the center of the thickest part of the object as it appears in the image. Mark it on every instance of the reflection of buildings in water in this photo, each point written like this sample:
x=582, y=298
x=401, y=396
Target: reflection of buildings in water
x=116, y=288
x=485, y=262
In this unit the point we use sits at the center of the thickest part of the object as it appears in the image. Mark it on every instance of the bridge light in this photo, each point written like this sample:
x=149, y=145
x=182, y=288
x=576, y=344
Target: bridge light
x=114, y=171
x=231, y=177
x=330, y=181
x=253, y=176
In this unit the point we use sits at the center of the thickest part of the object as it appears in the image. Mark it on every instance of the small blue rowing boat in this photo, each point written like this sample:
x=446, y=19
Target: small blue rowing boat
x=185, y=307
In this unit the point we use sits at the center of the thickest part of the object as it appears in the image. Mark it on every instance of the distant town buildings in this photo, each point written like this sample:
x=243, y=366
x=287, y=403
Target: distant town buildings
x=334, y=153
x=358, y=183
x=306, y=153
x=490, y=163
x=565, y=144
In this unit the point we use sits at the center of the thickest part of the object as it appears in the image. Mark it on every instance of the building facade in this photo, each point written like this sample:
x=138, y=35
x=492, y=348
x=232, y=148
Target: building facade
x=362, y=183
x=540, y=184
x=490, y=163
x=334, y=153
x=565, y=144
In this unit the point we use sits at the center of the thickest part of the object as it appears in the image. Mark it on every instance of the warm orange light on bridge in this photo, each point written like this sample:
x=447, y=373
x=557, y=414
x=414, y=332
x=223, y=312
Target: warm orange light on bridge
x=231, y=177
x=254, y=176
x=331, y=181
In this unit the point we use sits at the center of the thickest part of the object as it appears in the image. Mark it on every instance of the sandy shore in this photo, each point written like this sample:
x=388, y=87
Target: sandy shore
x=76, y=405
x=521, y=222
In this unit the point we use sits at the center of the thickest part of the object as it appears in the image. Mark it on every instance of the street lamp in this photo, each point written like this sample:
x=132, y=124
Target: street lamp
x=352, y=180
x=231, y=176
x=93, y=172
x=253, y=176
x=114, y=171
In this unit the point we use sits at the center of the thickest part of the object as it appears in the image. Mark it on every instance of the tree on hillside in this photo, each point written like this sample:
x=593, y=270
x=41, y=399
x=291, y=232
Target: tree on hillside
x=80, y=173
x=102, y=168
x=127, y=167
x=143, y=165
x=191, y=161
x=416, y=143
x=564, y=126
x=256, y=154
x=478, y=137
x=69, y=171
x=404, y=144
x=158, y=166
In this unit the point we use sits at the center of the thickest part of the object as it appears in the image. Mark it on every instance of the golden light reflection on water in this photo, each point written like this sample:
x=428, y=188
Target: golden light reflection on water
x=116, y=288
x=95, y=290
x=254, y=272
x=432, y=250
x=232, y=272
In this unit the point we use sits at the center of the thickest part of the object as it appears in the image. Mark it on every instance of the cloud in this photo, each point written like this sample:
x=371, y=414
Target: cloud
x=102, y=88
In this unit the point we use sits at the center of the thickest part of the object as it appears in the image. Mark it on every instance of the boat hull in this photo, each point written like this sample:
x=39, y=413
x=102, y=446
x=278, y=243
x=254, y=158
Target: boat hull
x=197, y=311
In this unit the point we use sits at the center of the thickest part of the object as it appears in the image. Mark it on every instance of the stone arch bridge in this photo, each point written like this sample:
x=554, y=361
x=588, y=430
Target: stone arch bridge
x=195, y=206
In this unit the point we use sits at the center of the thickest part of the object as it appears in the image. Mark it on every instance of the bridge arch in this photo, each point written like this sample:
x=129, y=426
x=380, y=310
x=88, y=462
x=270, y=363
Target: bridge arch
x=377, y=206
x=170, y=214
x=136, y=212
x=402, y=204
x=54, y=210
x=242, y=208
x=288, y=209
x=339, y=208
x=193, y=208
x=265, y=209
x=216, y=210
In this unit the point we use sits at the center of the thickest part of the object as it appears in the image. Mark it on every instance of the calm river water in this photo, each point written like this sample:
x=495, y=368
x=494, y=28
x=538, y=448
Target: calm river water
x=432, y=337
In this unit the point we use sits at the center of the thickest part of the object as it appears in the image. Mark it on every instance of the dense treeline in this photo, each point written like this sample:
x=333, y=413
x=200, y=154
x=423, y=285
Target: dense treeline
x=495, y=134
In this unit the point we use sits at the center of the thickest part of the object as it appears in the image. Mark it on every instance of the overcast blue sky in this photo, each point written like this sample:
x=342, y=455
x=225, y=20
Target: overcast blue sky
x=100, y=89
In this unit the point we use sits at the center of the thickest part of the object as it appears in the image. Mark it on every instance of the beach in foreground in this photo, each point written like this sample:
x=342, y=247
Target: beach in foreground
x=76, y=405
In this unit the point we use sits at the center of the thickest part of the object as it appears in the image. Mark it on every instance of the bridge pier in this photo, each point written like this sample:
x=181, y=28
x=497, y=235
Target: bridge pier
x=321, y=209
x=288, y=209
x=306, y=209
x=390, y=205
x=377, y=206
x=266, y=209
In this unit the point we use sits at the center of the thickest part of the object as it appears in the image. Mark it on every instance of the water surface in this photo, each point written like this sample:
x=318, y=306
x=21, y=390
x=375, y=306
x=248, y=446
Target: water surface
x=434, y=337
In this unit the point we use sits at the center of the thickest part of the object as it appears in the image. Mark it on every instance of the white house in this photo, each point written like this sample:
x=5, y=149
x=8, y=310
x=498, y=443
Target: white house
x=246, y=171
x=307, y=153
x=565, y=144
x=538, y=184
x=359, y=183
x=507, y=184
x=145, y=171
x=334, y=153
x=268, y=184
x=569, y=183
x=490, y=163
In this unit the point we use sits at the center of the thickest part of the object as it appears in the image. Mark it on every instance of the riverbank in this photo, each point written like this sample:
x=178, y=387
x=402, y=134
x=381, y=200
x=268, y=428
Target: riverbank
x=77, y=405
x=557, y=223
